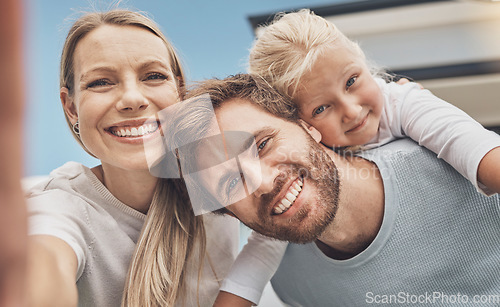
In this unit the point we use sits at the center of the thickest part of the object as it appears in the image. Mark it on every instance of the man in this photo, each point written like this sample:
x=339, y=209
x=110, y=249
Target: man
x=396, y=225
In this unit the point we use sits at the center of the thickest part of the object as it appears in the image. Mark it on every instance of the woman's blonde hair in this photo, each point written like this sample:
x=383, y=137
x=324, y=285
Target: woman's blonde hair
x=171, y=232
x=91, y=21
x=289, y=46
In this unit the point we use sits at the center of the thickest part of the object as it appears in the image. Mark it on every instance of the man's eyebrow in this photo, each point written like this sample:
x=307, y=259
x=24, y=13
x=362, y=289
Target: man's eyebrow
x=249, y=141
x=266, y=130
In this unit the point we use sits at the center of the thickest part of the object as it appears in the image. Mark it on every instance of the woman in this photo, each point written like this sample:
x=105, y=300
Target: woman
x=90, y=225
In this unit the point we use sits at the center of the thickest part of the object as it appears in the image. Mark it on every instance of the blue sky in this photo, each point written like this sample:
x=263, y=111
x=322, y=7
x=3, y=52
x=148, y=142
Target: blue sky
x=212, y=37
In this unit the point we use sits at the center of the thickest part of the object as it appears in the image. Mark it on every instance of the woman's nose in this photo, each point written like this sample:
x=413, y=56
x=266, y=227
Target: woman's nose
x=132, y=99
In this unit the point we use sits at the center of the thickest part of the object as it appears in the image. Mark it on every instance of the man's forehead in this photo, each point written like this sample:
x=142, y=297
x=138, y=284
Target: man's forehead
x=242, y=115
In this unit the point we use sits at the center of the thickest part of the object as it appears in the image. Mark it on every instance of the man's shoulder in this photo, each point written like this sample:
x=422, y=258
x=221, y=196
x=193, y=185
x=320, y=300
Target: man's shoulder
x=396, y=148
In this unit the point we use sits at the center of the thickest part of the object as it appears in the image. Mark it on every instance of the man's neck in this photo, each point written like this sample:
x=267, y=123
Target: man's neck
x=360, y=209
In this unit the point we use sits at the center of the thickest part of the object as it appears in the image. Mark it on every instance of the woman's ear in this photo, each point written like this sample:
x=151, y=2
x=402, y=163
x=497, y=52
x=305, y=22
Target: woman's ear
x=68, y=105
x=313, y=132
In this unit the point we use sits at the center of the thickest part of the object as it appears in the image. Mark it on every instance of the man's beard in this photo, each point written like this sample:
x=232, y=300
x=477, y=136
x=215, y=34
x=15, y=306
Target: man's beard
x=316, y=214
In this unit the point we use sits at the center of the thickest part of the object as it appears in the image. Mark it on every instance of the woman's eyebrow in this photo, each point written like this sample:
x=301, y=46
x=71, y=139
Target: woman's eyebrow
x=155, y=62
x=85, y=76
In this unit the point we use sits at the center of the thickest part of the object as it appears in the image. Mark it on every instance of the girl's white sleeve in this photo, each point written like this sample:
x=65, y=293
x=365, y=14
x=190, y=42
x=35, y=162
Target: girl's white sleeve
x=253, y=268
x=441, y=127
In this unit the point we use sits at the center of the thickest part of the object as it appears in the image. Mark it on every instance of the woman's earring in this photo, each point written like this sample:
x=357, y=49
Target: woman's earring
x=76, y=128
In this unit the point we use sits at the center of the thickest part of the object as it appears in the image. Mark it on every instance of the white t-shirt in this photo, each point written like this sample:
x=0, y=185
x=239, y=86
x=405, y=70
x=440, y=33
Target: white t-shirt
x=73, y=205
x=409, y=111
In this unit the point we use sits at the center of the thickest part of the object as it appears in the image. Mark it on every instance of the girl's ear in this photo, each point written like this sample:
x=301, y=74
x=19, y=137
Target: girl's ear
x=316, y=135
x=68, y=105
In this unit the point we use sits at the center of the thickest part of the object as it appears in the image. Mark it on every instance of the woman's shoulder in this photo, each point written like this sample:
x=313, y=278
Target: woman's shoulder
x=59, y=185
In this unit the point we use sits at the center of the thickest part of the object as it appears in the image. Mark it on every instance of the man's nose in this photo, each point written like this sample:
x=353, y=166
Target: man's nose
x=262, y=181
x=132, y=99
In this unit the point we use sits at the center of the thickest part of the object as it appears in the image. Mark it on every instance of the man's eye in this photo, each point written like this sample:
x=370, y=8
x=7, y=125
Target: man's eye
x=319, y=110
x=98, y=83
x=350, y=82
x=262, y=145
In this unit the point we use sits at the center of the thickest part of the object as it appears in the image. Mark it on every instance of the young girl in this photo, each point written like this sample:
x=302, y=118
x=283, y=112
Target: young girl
x=326, y=77
x=88, y=227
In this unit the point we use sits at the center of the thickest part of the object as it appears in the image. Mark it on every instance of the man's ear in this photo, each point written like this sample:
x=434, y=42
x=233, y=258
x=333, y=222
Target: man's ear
x=68, y=105
x=313, y=132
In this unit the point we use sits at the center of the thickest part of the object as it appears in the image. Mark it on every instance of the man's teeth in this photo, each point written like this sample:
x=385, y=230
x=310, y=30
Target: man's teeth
x=289, y=198
x=135, y=131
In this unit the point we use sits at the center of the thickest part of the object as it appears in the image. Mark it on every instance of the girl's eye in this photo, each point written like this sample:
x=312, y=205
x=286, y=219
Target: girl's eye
x=319, y=110
x=156, y=76
x=350, y=82
x=98, y=83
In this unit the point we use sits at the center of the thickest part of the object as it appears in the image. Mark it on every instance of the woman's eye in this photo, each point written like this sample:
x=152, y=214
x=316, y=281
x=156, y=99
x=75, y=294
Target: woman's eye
x=319, y=110
x=156, y=76
x=350, y=82
x=98, y=83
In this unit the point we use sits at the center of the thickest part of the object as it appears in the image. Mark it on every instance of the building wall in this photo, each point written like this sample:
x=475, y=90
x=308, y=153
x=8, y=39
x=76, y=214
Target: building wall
x=451, y=47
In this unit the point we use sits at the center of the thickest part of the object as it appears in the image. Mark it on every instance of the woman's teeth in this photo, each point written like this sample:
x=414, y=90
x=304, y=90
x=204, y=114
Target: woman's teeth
x=290, y=197
x=134, y=131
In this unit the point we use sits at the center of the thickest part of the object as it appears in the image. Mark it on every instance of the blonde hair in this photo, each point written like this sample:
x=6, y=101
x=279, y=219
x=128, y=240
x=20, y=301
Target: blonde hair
x=156, y=275
x=290, y=45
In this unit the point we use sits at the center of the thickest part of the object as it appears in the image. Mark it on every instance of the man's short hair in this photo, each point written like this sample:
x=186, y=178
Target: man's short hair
x=249, y=87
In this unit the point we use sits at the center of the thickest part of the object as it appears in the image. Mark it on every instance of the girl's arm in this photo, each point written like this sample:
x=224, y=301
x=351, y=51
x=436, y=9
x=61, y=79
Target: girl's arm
x=231, y=300
x=52, y=268
x=489, y=170
x=252, y=270
x=449, y=132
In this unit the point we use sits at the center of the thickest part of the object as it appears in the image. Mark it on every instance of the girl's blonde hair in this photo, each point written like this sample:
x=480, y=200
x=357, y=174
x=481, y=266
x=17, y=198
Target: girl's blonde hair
x=287, y=48
x=171, y=232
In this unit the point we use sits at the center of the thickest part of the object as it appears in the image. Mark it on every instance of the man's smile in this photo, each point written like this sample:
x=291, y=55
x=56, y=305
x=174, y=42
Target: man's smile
x=288, y=200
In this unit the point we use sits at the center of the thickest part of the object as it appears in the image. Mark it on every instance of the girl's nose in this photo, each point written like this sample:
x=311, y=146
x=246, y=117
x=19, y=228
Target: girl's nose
x=351, y=111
